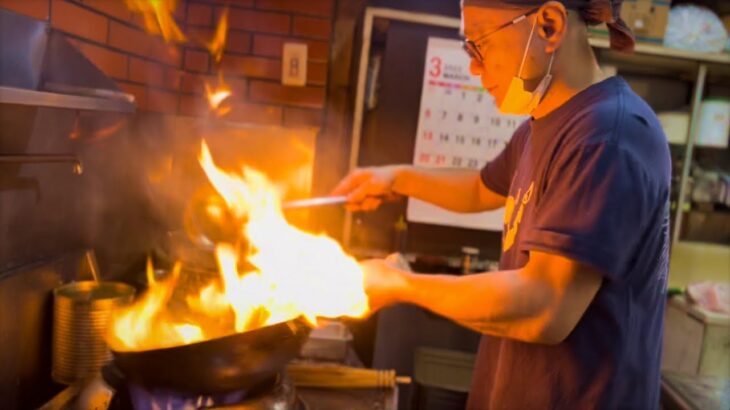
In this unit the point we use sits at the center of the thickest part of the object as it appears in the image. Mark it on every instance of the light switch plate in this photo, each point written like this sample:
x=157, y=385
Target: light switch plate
x=294, y=64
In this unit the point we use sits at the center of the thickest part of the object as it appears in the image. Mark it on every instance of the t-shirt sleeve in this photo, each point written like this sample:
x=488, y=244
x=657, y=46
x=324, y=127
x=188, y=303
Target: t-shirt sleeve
x=497, y=173
x=593, y=208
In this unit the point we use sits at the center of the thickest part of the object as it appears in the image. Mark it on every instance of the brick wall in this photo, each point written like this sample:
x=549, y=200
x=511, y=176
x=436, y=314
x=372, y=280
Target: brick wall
x=169, y=79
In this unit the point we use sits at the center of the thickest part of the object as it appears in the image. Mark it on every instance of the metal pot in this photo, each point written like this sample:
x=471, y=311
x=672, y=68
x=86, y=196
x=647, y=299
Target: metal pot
x=81, y=317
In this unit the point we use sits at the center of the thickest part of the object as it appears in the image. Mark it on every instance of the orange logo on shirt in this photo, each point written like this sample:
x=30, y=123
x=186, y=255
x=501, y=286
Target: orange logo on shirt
x=512, y=221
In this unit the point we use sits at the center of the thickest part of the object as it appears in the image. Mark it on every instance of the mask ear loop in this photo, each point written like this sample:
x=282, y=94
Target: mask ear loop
x=550, y=64
x=527, y=47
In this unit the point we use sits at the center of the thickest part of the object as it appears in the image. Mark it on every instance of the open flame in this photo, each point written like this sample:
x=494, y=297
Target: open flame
x=216, y=96
x=158, y=19
x=218, y=42
x=288, y=274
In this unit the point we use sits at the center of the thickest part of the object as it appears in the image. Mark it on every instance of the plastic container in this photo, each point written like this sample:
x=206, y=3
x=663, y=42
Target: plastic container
x=675, y=125
x=714, y=126
x=695, y=28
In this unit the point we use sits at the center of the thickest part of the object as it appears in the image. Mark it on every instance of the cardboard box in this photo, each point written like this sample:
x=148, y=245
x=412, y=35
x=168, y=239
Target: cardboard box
x=647, y=19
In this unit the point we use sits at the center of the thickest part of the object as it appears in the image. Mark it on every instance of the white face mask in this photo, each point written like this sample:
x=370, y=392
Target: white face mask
x=519, y=101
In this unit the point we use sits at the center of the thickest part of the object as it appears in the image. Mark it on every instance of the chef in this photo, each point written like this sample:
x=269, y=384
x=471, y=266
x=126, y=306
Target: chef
x=573, y=319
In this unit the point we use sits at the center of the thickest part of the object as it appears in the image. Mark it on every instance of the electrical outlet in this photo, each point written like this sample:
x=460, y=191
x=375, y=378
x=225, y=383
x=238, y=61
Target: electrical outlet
x=294, y=64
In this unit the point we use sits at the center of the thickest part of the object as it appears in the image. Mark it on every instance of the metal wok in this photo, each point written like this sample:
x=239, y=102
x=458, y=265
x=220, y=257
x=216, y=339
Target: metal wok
x=239, y=361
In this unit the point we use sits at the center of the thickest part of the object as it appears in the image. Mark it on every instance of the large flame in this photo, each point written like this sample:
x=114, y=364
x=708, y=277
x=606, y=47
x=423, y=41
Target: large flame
x=290, y=274
x=158, y=19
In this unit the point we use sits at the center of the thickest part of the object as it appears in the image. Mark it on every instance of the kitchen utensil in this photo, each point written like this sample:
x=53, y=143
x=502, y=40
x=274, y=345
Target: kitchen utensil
x=239, y=361
x=342, y=377
x=81, y=318
x=314, y=202
x=206, y=228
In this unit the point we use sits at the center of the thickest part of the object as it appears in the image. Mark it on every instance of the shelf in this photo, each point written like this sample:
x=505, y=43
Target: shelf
x=661, y=51
x=20, y=96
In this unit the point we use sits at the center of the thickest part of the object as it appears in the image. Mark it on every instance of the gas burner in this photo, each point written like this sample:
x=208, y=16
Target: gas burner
x=275, y=394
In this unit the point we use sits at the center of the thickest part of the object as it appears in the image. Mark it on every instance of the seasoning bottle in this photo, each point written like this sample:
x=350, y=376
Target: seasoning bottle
x=469, y=259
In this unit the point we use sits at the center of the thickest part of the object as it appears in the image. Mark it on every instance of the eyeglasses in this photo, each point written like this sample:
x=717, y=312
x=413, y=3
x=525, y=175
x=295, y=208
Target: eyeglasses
x=472, y=46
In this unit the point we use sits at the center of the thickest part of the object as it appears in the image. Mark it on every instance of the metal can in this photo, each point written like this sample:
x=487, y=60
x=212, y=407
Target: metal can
x=81, y=317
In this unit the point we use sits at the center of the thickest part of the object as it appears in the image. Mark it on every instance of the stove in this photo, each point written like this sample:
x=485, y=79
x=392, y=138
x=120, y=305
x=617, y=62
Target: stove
x=275, y=394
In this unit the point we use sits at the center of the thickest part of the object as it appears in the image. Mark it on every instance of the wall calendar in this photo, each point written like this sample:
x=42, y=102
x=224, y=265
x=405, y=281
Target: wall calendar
x=459, y=126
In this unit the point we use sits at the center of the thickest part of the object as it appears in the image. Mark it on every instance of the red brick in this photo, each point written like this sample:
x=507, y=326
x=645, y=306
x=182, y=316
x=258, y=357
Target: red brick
x=111, y=8
x=240, y=3
x=38, y=9
x=129, y=39
x=146, y=72
x=139, y=92
x=165, y=53
x=317, y=73
x=268, y=92
x=314, y=7
x=79, y=21
x=299, y=117
x=196, y=61
x=161, y=101
x=256, y=67
x=200, y=14
x=201, y=34
x=259, y=21
x=180, y=12
x=137, y=42
x=193, y=106
x=312, y=27
x=178, y=15
x=238, y=42
x=238, y=88
x=198, y=37
x=172, y=78
x=255, y=113
x=273, y=46
x=110, y=62
x=195, y=84
x=138, y=21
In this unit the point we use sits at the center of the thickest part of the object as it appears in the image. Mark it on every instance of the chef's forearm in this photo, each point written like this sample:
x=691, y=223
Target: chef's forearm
x=496, y=303
x=453, y=189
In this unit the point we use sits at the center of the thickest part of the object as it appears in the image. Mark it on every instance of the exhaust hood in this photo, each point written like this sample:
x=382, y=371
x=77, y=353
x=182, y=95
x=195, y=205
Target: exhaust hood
x=39, y=68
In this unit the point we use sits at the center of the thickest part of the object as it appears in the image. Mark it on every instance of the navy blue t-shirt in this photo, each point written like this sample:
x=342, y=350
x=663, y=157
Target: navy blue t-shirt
x=590, y=181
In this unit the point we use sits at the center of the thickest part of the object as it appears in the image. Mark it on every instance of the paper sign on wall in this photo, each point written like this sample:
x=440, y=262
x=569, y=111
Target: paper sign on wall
x=458, y=127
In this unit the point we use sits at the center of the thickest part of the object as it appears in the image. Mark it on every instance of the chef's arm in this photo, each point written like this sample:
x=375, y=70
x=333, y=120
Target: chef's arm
x=540, y=303
x=454, y=189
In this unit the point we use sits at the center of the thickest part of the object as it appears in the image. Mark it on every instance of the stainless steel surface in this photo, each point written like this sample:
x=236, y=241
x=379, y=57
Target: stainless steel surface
x=315, y=202
x=11, y=95
x=40, y=68
x=78, y=168
x=88, y=91
x=81, y=315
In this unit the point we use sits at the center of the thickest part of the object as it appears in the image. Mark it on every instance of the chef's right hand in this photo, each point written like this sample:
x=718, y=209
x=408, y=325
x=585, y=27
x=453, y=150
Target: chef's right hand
x=366, y=188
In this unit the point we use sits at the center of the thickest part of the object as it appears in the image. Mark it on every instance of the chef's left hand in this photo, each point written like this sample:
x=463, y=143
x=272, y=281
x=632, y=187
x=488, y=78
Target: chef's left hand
x=385, y=284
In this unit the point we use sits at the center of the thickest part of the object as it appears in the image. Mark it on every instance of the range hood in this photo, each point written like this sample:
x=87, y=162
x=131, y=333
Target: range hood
x=39, y=68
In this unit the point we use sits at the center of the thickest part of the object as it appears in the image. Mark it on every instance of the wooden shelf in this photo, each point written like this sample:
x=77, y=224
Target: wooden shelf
x=661, y=51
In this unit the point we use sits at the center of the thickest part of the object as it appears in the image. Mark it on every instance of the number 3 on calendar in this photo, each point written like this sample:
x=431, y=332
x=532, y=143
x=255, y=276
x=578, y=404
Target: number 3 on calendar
x=435, y=70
